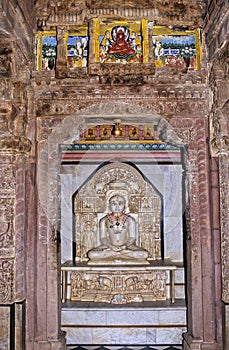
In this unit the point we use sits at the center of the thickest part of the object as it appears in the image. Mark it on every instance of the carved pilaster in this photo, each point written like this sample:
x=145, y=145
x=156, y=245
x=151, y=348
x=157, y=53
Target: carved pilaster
x=13, y=149
x=224, y=218
x=219, y=143
x=12, y=221
x=201, y=313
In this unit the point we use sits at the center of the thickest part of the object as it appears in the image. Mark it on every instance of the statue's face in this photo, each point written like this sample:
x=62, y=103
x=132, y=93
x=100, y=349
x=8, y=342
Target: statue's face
x=117, y=204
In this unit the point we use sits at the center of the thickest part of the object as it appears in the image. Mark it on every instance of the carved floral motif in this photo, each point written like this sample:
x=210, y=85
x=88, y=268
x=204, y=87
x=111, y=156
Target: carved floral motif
x=6, y=280
x=224, y=210
x=6, y=225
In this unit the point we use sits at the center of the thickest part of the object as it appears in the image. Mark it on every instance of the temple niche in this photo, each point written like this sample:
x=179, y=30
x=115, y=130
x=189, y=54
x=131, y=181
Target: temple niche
x=122, y=248
x=118, y=254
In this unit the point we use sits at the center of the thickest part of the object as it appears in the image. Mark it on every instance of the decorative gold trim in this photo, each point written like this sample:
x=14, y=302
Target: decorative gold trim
x=145, y=40
x=198, y=49
x=96, y=39
x=123, y=326
x=121, y=141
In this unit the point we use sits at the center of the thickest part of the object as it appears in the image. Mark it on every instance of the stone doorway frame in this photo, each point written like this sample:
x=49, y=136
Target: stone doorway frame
x=203, y=279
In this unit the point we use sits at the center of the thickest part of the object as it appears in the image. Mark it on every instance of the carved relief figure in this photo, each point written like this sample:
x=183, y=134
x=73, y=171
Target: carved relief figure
x=117, y=232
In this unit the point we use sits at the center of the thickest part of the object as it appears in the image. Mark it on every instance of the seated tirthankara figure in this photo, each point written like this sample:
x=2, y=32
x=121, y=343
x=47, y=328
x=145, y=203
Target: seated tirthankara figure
x=117, y=232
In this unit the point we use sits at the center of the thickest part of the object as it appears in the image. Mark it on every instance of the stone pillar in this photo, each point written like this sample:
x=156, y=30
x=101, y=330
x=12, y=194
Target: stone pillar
x=45, y=303
x=202, y=316
x=14, y=156
x=219, y=146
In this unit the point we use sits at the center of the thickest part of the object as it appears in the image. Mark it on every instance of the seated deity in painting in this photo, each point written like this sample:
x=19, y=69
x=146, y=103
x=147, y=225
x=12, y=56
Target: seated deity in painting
x=117, y=231
x=120, y=46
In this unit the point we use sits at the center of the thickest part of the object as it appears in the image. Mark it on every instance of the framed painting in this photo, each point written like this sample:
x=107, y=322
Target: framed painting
x=91, y=133
x=121, y=41
x=133, y=133
x=176, y=48
x=46, y=49
x=149, y=132
x=105, y=132
x=77, y=47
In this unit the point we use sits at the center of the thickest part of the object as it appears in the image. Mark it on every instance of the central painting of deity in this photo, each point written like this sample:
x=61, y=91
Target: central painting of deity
x=120, y=41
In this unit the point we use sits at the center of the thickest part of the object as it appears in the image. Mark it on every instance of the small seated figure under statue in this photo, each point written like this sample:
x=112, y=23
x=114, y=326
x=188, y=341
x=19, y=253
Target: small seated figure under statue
x=117, y=232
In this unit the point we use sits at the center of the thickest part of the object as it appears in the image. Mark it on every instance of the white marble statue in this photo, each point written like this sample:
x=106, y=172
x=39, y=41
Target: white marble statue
x=117, y=232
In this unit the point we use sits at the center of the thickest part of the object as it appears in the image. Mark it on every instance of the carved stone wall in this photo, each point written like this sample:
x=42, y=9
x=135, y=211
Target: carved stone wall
x=47, y=109
x=193, y=131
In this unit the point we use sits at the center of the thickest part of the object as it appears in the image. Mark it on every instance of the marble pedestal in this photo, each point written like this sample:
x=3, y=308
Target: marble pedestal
x=122, y=318
x=160, y=322
x=118, y=284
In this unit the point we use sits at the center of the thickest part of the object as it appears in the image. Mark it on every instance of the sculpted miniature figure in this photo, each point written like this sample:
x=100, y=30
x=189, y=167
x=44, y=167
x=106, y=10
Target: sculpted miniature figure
x=117, y=232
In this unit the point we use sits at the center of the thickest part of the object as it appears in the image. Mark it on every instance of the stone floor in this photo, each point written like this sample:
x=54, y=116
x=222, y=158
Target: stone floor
x=124, y=347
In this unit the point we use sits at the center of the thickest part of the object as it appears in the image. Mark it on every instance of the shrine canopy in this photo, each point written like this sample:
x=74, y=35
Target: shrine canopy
x=117, y=142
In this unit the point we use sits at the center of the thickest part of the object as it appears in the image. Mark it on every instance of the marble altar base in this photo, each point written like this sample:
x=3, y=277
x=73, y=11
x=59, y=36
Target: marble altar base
x=138, y=323
x=117, y=284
